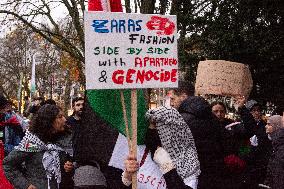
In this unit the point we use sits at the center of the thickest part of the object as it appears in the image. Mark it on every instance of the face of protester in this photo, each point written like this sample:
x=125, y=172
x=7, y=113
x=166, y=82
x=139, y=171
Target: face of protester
x=219, y=111
x=269, y=128
x=59, y=122
x=256, y=112
x=78, y=107
x=176, y=100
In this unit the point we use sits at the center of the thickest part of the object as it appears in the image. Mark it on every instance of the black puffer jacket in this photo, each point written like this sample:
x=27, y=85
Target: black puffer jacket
x=207, y=135
x=275, y=168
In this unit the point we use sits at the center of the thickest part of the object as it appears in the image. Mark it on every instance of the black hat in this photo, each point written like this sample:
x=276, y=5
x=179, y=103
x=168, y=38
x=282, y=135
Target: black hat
x=3, y=102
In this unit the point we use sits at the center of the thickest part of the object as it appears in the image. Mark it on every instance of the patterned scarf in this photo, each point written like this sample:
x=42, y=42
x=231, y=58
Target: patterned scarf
x=50, y=160
x=177, y=140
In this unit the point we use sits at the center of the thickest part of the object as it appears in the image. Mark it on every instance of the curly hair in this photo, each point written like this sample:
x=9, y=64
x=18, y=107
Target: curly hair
x=42, y=122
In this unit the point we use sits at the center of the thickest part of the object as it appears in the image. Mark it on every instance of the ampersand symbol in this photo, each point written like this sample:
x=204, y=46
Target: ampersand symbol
x=103, y=77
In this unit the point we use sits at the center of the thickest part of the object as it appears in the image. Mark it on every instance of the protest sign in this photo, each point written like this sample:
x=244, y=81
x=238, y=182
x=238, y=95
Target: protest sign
x=225, y=78
x=130, y=51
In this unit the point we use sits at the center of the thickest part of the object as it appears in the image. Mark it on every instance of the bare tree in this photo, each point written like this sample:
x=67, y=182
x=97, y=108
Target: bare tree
x=33, y=12
x=18, y=49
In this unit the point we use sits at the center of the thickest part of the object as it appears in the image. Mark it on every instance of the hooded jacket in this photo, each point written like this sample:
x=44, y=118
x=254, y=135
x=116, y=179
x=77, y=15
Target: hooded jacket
x=207, y=136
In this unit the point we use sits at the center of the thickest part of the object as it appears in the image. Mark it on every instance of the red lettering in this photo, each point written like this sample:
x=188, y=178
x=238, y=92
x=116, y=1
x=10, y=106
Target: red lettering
x=141, y=177
x=129, y=74
x=167, y=76
x=145, y=61
x=162, y=75
x=156, y=75
x=166, y=61
x=140, y=76
x=149, y=75
x=117, y=77
x=170, y=61
x=152, y=61
x=174, y=75
x=158, y=62
x=138, y=61
x=153, y=181
x=174, y=62
x=148, y=179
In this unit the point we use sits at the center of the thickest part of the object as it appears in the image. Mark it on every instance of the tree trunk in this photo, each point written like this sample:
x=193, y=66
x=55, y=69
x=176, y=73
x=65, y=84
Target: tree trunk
x=148, y=6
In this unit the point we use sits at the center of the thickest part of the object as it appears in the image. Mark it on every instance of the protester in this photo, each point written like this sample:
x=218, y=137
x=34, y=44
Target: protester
x=275, y=168
x=12, y=126
x=77, y=106
x=219, y=110
x=45, y=163
x=172, y=154
x=181, y=93
x=82, y=172
x=235, y=138
x=260, y=148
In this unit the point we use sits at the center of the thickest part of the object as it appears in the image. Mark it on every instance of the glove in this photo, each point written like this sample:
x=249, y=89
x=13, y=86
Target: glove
x=163, y=159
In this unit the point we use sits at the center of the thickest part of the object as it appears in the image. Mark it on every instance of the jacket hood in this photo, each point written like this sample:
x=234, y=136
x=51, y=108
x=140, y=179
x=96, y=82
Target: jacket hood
x=196, y=106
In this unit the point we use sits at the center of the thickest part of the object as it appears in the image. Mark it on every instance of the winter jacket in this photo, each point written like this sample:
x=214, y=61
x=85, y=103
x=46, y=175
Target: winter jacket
x=207, y=135
x=25, y=168
x=275, y=168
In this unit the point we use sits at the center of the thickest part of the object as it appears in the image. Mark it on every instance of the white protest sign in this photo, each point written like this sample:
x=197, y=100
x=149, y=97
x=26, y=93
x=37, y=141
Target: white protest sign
x=130, y=51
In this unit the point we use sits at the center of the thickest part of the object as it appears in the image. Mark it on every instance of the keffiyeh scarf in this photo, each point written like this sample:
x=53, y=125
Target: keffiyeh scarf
x=177, y=140
x=50, y=160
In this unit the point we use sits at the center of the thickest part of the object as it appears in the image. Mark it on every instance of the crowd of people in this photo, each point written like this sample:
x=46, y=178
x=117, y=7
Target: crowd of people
x=189, y=144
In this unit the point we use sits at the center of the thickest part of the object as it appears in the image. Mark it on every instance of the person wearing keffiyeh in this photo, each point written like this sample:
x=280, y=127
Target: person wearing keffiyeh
x=37, y=162
x=172, y=149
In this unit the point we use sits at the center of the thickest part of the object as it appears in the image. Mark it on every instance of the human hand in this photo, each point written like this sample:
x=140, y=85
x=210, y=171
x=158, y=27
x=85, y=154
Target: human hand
x=68, y=166
x=131, y=167
x=163, y=159
x=32, y=187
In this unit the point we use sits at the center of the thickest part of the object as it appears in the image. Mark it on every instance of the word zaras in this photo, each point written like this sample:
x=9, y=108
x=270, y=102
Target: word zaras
x=116, y=26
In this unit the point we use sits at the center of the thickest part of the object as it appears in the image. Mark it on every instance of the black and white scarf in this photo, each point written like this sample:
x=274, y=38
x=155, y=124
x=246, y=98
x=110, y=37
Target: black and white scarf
x=50, y=160
x=177, y=140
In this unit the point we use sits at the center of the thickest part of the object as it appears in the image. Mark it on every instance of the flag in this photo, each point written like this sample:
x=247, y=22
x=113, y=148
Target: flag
x=102, y=128
x=101, y=134
x=102, y=5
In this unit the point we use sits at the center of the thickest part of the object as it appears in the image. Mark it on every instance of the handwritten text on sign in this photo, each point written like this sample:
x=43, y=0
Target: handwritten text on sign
x=130, y=51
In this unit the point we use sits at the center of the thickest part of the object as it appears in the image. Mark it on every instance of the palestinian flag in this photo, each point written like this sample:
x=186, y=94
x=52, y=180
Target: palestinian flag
x=101, y=134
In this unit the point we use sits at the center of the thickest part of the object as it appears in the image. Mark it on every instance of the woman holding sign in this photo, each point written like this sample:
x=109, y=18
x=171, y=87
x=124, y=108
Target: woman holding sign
x=170, y=158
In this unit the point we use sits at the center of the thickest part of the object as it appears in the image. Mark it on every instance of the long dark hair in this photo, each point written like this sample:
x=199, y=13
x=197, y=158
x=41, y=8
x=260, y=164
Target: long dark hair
x=42, y=123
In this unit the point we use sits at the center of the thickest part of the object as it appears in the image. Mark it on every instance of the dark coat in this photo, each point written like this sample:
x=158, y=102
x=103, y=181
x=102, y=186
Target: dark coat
x=33, y=172
x=207, y=135
x=275, y=168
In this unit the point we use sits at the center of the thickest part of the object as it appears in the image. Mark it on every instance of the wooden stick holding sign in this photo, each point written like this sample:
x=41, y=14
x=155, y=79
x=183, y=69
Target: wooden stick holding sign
x=125, y=121
x=134, y=131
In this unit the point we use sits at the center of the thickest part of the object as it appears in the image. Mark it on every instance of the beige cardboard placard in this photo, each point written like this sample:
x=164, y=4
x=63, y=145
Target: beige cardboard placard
x=224, y=78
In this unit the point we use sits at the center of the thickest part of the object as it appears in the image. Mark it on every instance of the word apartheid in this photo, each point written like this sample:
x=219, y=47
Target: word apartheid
x=140, y=76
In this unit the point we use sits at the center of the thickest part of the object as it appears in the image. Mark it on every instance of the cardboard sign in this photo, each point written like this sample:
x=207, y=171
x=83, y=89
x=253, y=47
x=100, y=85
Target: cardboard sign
x=130, y=51
x=225, y=78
